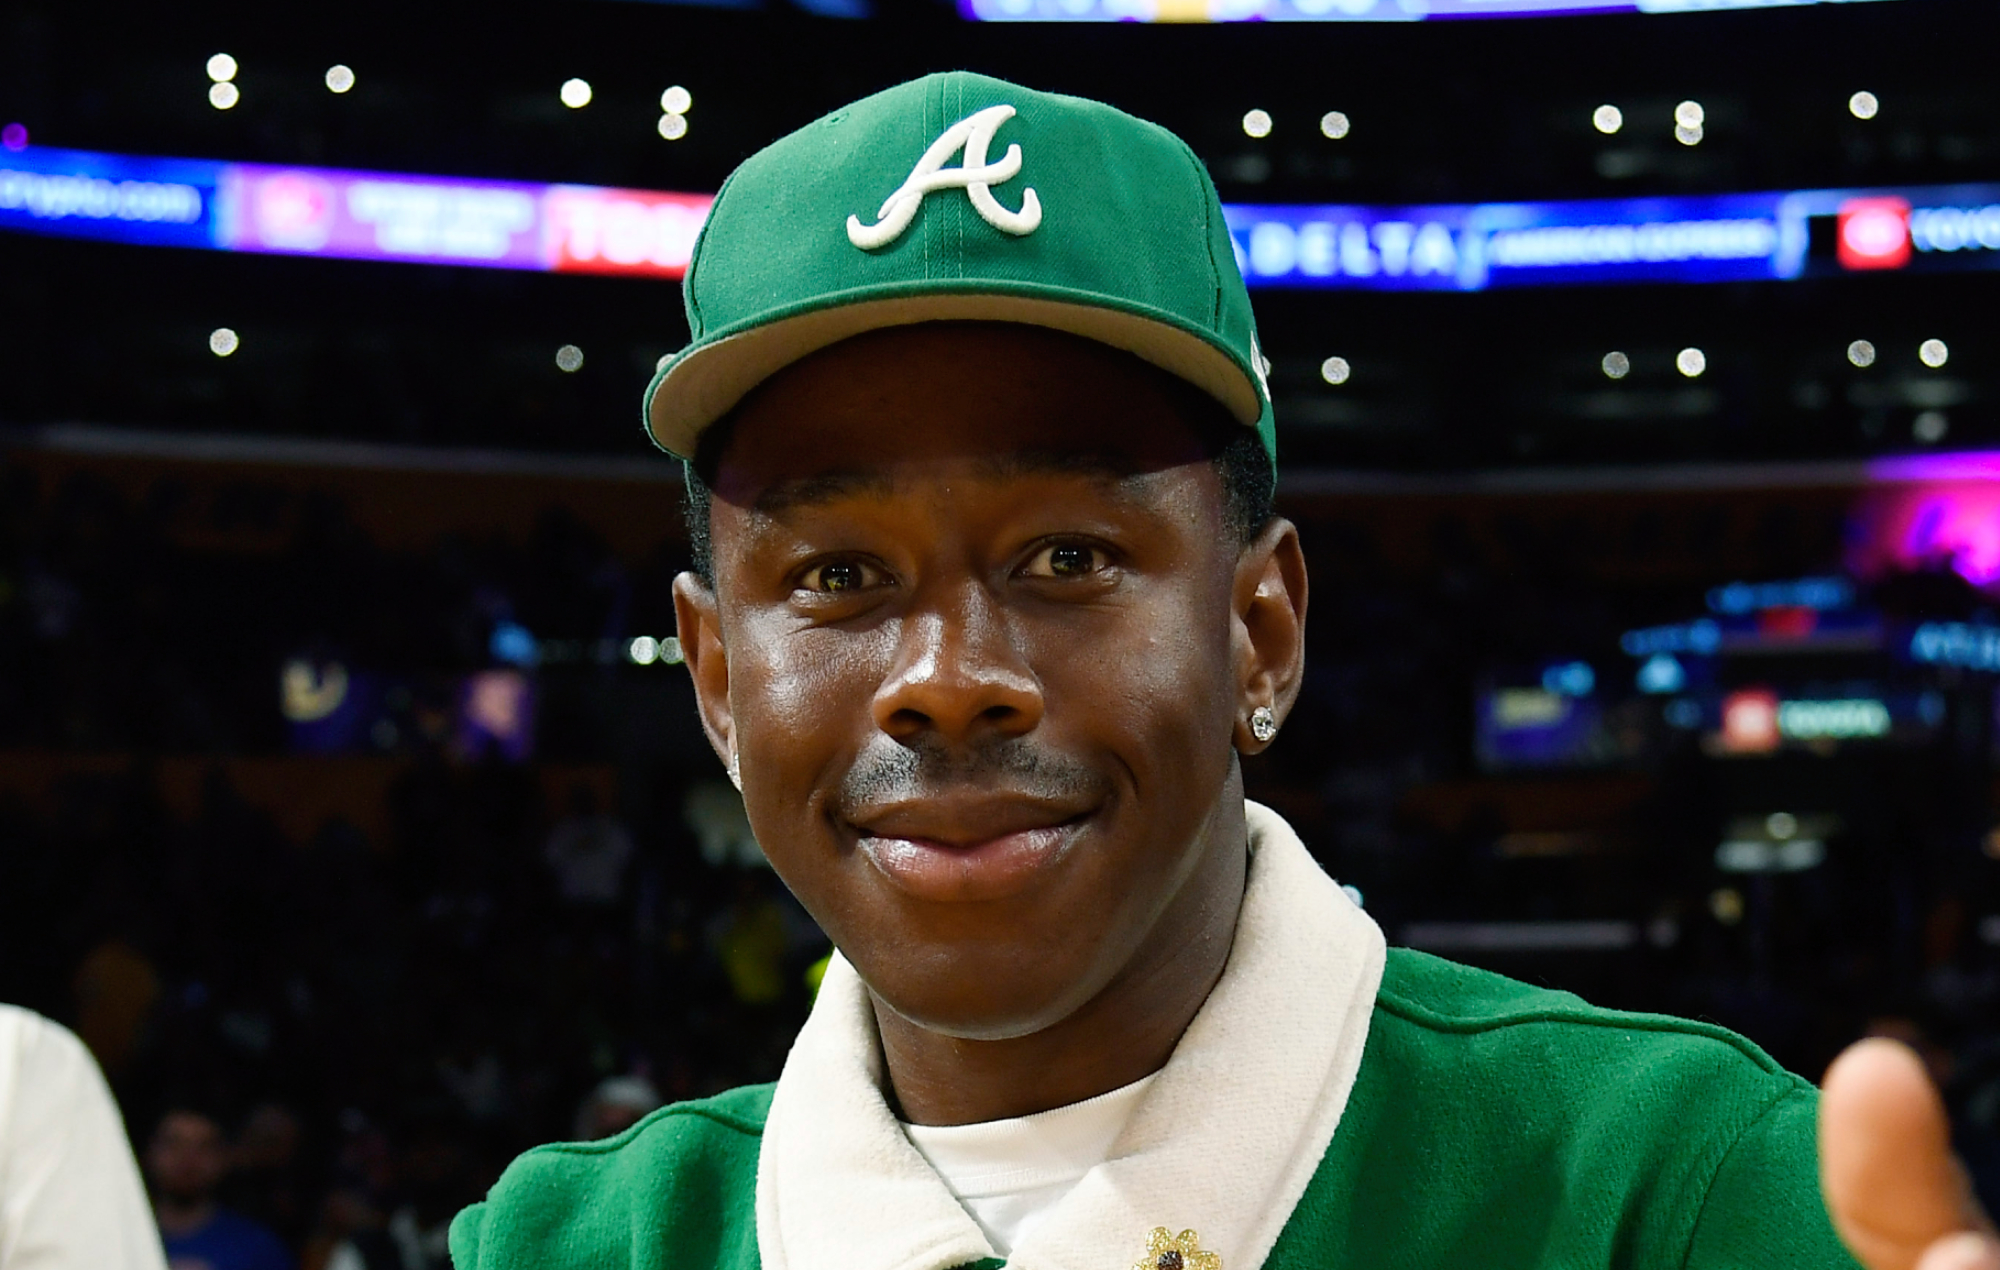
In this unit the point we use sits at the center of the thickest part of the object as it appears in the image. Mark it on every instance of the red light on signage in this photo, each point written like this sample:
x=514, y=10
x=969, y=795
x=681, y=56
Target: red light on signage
x=1874, y=233
x=592, y=230
x=1750, y=721
x=1788, y=621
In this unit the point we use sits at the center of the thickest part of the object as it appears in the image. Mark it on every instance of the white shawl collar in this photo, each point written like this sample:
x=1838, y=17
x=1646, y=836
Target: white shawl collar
x=1224, y=1143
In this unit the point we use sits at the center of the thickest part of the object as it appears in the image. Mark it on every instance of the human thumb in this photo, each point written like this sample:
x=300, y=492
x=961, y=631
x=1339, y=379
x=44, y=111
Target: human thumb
x=1893, y=1188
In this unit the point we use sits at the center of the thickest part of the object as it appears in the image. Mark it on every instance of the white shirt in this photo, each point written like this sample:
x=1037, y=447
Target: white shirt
x=70, y=1196
x=1009, y=1173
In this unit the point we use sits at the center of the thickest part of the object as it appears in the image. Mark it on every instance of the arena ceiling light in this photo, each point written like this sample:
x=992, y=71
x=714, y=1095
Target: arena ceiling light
x=1861, y=353
x=1689, y=120
x=339, y=78
x=1333, y=125
x=575, y=93
x=1607, y=119
x=675, y=103
x=1864, y=105
x=569, y=359
x=223, y=93
x=222, y=341
x=1335, y=371
x=1615, y=365
x=1691, y=362
x=1933, y=353
x=1257, y=123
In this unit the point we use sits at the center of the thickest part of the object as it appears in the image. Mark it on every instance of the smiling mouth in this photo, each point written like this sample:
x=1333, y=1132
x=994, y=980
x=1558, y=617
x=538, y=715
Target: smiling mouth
x=989, y=868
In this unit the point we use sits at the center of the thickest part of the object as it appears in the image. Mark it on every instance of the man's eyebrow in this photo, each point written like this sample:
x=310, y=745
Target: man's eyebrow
x=827, y=487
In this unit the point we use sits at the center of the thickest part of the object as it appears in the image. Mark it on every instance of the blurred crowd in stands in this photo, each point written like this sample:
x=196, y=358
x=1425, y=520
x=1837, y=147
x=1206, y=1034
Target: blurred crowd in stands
x=327, y=1040
x=344, y=1042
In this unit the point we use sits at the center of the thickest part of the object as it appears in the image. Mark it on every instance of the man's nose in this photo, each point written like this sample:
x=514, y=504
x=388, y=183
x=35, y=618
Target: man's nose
x=958, y=673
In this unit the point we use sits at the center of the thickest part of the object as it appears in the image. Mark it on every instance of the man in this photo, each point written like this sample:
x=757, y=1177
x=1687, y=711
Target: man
x=989, y=598
x=186, y=1160
x=70, y=1196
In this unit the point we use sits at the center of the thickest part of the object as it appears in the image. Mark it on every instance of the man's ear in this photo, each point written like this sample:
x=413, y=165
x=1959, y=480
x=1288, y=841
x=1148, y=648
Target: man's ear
x=1268, y=630
x=699, y=624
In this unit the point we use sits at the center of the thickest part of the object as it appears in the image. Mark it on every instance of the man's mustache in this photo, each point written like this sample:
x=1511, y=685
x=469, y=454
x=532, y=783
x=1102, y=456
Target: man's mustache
x=888, y=771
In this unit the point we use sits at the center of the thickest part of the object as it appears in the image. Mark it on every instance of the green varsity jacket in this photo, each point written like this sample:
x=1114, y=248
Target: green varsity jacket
x=1492, y=1126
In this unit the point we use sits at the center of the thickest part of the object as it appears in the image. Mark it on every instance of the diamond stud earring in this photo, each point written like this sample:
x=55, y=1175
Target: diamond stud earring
x=735, y=774
x=1263, y=724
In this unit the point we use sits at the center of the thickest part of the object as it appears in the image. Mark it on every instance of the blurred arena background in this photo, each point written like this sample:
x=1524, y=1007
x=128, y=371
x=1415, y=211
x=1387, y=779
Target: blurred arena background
x=1636, y=386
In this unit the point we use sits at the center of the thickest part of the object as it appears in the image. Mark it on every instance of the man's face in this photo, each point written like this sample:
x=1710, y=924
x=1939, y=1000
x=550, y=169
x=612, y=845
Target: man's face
x=186, y=1157
x=975, y=643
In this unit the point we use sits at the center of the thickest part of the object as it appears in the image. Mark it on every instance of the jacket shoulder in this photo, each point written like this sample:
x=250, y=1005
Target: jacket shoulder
x=1442, y=998
x=1525, y=1062
x=678, y=1186
x=1505, y=1125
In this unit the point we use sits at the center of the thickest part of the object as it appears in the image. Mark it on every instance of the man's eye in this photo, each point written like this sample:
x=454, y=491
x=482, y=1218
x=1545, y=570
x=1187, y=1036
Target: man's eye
x=837, y=576
x=1066, y=560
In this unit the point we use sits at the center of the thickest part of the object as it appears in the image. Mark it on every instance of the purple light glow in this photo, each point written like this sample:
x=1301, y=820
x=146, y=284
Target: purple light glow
x=1969, y=465
x=1931, y=511
x=15, y=137
x=376, y=216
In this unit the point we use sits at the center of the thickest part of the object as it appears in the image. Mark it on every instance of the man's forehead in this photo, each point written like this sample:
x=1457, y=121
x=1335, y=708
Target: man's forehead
x=1116, y=474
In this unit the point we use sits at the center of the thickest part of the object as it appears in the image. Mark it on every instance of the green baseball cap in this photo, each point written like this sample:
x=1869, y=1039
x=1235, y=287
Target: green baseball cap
x=958, y=197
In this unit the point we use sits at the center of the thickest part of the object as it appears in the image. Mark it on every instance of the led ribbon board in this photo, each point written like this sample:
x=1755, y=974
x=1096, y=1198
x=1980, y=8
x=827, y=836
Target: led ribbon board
x=153, y=202
x=1719, y=238
x=353, y=215
x=349, y=215
x=1469, y=247
x=1329, y=10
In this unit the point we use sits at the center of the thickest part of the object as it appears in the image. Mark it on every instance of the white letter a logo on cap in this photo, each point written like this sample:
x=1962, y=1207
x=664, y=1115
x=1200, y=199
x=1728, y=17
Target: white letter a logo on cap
x=975, y=176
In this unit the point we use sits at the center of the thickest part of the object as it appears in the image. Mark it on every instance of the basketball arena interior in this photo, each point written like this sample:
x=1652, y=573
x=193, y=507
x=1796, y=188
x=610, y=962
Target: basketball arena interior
x=1636, y=370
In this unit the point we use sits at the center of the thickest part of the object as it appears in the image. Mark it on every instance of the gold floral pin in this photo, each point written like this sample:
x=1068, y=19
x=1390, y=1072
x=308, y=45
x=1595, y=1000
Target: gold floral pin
x=1168, y=1251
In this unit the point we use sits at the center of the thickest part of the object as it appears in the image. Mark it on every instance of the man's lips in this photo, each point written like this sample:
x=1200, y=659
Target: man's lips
x=946, y=852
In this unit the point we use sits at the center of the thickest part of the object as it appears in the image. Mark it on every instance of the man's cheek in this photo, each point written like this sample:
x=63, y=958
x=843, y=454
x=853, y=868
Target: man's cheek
x=805, y=685
x=1148, y=690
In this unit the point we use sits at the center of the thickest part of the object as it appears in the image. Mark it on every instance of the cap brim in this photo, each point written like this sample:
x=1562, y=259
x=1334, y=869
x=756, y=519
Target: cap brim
x=704, y=383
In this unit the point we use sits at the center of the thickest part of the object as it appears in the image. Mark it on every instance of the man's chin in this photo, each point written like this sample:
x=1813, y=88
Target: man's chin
x=1002, y=1008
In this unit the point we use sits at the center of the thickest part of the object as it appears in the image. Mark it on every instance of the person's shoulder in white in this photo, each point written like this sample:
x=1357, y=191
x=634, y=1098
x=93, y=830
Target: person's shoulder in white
x=70, y=1194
